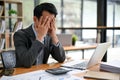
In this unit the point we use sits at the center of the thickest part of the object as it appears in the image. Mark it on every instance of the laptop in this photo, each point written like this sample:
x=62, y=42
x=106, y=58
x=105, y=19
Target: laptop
x=65, y=39
x=95, y=58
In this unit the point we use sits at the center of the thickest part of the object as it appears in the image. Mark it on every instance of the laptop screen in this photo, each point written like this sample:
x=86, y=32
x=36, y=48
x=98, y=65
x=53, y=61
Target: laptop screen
x=98, y=54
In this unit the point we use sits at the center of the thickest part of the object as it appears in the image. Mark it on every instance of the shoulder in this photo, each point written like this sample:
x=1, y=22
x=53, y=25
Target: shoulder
x=24, y=32
x=19, y=32
x=20, y=35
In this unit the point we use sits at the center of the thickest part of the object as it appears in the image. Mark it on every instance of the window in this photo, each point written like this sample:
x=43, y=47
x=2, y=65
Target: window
x=28, y=6
x=89, y=20
x=113, y=20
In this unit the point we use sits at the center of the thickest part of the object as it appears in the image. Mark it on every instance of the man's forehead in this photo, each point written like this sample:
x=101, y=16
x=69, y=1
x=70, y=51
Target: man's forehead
x=46, y=13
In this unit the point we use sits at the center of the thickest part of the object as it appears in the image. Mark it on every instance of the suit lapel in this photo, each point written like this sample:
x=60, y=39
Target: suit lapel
x=46, y=49
x=30, y=33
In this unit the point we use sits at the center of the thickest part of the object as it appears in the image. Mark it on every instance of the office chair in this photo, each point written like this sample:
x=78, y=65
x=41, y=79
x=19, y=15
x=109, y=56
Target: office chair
x=8, y=59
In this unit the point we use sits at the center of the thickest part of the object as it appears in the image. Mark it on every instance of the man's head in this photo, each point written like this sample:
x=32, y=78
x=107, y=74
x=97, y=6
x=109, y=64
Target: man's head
x=45, y=7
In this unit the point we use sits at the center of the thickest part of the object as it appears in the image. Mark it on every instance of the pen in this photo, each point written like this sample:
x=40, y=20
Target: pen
x=73, y=67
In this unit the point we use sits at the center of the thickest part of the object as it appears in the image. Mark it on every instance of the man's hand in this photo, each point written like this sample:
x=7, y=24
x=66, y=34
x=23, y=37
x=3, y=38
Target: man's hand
x=52, y=31
x=42, y=27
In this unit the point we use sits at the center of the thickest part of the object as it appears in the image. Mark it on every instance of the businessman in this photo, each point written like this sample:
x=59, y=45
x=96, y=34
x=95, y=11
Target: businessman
x=34, y=44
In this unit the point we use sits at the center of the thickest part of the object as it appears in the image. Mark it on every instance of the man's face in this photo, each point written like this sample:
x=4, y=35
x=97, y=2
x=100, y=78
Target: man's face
x=44, y=15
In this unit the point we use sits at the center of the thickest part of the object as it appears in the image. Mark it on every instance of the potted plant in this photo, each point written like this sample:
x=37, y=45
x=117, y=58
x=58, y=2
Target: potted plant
x=74, y=39
x=12, y=12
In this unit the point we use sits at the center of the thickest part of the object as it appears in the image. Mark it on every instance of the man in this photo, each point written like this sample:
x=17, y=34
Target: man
x=34, y=44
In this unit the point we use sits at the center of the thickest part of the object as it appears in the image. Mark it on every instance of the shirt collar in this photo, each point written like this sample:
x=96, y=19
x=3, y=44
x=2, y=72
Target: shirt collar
x=34, y=30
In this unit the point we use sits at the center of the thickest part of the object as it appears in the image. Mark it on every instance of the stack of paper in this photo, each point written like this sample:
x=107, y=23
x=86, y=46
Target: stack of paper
x=112, y=66
x=102, y=75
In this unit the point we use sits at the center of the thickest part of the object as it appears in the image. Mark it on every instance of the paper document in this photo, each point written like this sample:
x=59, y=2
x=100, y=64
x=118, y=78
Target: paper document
x=40, y=75
x=102, y=75
x=112, y=66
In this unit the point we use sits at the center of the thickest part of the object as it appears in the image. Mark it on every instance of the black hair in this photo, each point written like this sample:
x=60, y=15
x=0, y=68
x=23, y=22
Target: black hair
x=44, y=7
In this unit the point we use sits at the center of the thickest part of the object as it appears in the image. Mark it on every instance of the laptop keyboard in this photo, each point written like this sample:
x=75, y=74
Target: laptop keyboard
x=80, y=65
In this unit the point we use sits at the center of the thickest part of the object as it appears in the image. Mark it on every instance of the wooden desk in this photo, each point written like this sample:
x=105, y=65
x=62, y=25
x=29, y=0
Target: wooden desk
x=83, y=47
x=34, y=68
x=49, y=66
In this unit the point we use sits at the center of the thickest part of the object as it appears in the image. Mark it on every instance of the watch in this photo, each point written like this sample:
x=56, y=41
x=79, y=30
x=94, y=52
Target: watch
x=57, y=44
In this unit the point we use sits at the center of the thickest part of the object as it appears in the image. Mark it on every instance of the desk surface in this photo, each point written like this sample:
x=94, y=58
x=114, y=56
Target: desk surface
x=82, y=47
x=49, y=66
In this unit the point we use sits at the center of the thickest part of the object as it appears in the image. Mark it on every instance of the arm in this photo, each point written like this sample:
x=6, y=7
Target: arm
x=26, y=56
x=58, y=52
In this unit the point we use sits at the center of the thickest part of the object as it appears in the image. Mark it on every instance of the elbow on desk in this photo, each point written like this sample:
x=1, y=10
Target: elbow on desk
x=61, y=60
x=27, y=65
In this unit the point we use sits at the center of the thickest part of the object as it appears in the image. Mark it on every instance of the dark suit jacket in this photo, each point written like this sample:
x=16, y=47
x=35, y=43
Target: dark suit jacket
x=27, y=48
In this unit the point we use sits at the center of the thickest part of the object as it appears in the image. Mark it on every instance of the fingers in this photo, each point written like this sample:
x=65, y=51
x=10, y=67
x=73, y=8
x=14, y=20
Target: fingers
x=41, y=20
x=47, y=22
x=52, y=24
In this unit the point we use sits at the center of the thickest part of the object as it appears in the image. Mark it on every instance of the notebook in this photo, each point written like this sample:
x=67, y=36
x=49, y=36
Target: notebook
x=95, y=58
